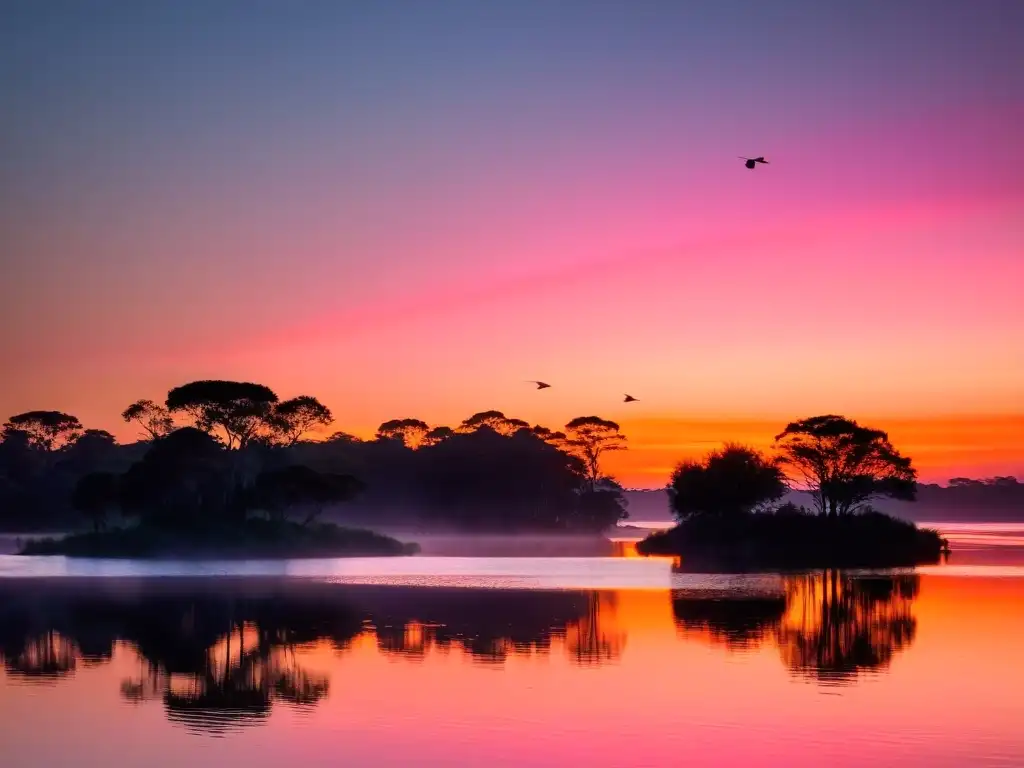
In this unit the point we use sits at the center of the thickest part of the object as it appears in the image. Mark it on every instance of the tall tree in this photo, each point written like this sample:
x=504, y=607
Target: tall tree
x=46, y=430
x=844, y=465
x=240, y=409
x=728, y=482
x=154, y=419
x=590, y=437
x=291, y=419
x=410, y=432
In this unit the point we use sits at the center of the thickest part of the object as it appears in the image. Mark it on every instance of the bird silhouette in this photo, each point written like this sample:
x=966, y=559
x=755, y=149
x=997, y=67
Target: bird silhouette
x=630, y=399
x=540, y=384
x=752, y=161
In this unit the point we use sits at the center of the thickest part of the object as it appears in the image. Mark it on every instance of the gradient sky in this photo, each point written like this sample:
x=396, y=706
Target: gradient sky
x=407, y=209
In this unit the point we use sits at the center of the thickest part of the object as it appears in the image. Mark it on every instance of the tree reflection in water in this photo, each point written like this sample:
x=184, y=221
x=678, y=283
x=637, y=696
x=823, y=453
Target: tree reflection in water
x=828, y=626
x=836, y=626
x=219, y=656
x=241, y=674
x=45, y=657
x=490, y=626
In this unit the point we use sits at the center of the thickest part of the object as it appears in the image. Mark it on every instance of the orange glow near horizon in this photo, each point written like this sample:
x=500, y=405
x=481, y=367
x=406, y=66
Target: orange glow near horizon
x=604, y=238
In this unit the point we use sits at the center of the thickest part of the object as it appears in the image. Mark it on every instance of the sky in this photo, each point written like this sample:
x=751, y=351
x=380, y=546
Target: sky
x=410, y=209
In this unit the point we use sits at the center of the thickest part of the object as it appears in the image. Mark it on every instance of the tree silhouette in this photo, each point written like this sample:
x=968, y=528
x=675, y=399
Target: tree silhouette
x=731, y=481
x=590, y=437
x=437, y=434
x=844, y=465
x=410, y=432
x=547, y=435
x=154, y=419
x=46, y=430
x=293, y=418
x=240, y=409
x=495, y=420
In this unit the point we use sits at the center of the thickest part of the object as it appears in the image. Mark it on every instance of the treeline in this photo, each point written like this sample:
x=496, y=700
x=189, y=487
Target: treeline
x=224, y=451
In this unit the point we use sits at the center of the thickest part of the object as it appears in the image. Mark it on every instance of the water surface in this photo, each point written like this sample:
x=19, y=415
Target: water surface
x=485, y=661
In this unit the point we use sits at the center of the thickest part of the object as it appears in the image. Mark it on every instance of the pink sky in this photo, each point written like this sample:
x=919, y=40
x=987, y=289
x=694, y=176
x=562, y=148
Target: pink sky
x=414, y=239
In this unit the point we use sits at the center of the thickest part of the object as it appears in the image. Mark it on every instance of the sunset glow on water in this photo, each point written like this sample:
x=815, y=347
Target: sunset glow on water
x=918, y=668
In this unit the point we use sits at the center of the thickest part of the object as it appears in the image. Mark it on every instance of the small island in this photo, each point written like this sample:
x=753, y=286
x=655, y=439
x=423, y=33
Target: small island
x=194, y=495
x=223, y=470
x=730, y=518
x=255, y=539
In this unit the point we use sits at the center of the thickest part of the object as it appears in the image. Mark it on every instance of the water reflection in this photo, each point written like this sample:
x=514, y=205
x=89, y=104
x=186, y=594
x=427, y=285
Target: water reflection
x=221, y=656
x=491, y=625
x=828, y=626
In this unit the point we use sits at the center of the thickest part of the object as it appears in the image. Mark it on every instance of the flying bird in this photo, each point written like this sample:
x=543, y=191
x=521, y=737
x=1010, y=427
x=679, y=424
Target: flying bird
x=540, y=384
x=752, y=161
x=630, y=399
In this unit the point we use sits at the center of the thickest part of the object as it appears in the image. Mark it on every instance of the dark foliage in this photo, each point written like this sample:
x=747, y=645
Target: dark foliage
x=291, y=419
x=795, y=540
x=96, y=495
x=732, y=481
x=240, y=409
x=155, y=420
x=297, y=487
x=243, y=453
x=485, y=480
x=590, y=437
x=182, y=481
x=844, y=465
x=410, y=432
x=44, y=430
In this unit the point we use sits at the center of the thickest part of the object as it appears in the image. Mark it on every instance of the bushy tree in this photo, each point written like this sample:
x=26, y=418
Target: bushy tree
x=493, y=420
x=410, y=432
x=844, y=465
x=45, y=430
x=241, y=410
x=728, y=482
x=291, y=419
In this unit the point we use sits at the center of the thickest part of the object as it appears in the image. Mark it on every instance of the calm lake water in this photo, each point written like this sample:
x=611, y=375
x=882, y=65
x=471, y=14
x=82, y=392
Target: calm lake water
x=513, y=662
